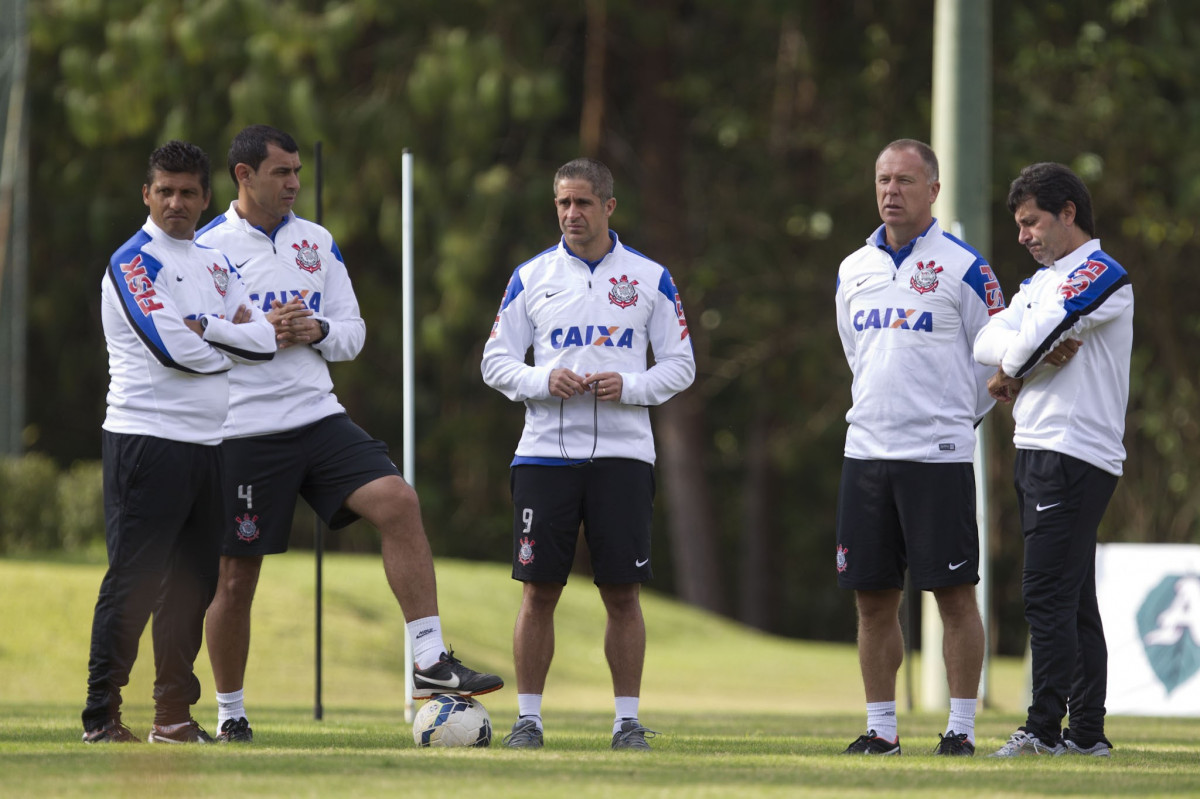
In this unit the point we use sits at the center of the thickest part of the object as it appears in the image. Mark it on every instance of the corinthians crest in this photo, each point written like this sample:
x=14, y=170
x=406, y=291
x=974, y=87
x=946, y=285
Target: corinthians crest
x=220, y=278
x=307, y=257
x=247, y=528
x=525, y=554
x=926, y=278
x=623, y=293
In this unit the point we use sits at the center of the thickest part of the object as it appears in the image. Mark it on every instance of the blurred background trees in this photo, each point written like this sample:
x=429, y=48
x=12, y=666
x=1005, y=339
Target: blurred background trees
x=742, y=137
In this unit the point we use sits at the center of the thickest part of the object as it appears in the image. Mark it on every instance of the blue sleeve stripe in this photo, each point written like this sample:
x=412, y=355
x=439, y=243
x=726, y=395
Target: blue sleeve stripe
x=515, y=287
x=1075, y=313
x=217, y=221
x=666, y=286
x=142, y=323
x=336, y=252
x=974, y=278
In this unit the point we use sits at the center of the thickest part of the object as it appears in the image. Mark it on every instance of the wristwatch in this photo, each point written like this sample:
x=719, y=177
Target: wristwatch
x=324, y=330
x=203, y=323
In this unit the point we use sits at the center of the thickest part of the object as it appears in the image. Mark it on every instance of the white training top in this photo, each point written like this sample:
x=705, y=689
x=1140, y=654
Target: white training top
x=1078, y=409
x=590, y=318
x=299, y=260
x=907, y=321
x=164, y=380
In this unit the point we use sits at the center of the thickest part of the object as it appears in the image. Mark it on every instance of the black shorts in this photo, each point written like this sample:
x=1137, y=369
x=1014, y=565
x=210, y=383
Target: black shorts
x=893, y=515
x=324, y=462
x=614, y=500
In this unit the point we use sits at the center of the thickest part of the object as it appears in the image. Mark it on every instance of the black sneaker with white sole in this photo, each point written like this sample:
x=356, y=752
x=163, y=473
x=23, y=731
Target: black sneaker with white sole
x=189, y=733
x=450, y=676
x=113, y=732
x=872, y=744
x=955, y=745
x=235, y=731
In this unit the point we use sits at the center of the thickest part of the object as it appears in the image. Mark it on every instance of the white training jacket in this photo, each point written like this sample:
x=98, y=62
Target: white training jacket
x=1078, y=409
x=299, y=260
x=589, y=320
x=907, y=331
x=164, y=380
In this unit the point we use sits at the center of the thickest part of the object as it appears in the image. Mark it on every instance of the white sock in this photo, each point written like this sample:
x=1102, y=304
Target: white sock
x=627, y=708
x=427, y=644
x=881, y=717
x=962, y=718
x=529, y=706
x=229, y=706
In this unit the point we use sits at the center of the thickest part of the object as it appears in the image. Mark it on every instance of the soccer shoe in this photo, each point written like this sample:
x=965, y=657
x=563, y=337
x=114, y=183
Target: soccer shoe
x=235, y=731
x=113, y=732
x=872, y=744
x=1102, y=747
x=955, y=744
x=450, y=676
x=1022, y=743
x=191, y=733
x=525, y=735
x=632, y=735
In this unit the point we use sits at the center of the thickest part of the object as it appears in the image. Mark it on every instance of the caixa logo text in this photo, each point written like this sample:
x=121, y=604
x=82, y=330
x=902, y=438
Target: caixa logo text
x=899, y=318
x=312, y=299
x=592, y=335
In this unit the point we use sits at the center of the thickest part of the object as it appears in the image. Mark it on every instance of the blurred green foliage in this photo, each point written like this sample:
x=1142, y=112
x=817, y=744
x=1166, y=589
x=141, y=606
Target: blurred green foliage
x=742, y=138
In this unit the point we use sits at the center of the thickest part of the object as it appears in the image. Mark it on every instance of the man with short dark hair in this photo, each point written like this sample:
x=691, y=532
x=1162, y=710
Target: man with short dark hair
x=909, y=304
x=287, y=435
x=1062, y=349
x=176, y=319
x=590, y=308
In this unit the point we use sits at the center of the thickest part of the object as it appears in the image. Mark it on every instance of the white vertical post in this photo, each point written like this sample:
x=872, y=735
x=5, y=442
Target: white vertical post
x=406, y=304
x=961, y=136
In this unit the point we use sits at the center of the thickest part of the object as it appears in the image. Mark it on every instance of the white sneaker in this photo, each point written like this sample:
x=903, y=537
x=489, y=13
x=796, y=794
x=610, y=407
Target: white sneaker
x=1022, y=743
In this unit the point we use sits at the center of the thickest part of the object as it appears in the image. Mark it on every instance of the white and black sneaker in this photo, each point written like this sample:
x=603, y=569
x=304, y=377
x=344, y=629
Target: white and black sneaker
x=1022, y=742
x=450, y=676
x=187, y=733
x=235, y=731
x=1101, y=748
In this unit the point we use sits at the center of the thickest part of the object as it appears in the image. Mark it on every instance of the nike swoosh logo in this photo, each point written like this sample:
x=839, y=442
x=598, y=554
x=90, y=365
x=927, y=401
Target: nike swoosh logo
x=451, y=683
x=1042, y=507
x=641, y=563
x=954, y=566
x=550, y=294
x=243, y=263
x=859, y=283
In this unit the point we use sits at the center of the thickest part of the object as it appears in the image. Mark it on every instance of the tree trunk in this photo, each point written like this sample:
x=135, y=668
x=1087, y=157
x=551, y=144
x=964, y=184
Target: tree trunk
x=758, y=543
x=692, y=527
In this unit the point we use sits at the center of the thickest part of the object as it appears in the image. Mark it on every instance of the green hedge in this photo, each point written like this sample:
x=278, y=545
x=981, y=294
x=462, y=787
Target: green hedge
x=44, y=508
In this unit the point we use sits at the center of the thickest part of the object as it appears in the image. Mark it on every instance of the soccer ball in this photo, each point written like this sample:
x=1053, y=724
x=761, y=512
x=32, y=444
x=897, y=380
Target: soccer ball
x=449, y=720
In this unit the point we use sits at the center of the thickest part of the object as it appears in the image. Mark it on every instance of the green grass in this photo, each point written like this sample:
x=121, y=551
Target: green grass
x=722, y=735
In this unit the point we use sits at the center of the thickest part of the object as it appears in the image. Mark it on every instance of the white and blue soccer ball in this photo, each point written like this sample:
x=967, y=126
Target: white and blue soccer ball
x=450, y=720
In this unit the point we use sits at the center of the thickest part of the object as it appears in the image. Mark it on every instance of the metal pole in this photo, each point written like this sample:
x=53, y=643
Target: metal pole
x=319, y=530
x=962, y=104
x=14, y=210
x=406, y=304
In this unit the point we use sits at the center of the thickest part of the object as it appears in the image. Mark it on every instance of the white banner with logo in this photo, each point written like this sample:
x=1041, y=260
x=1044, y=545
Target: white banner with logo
x=1149, y=597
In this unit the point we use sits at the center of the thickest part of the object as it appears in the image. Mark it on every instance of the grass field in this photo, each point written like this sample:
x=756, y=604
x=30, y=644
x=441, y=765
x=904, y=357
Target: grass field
x=723, y=733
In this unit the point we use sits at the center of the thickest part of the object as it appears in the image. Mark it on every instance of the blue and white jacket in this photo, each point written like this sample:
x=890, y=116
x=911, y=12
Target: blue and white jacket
x=589, y=318
x=164, y=380
x=1078, y=409
x=907, y=321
